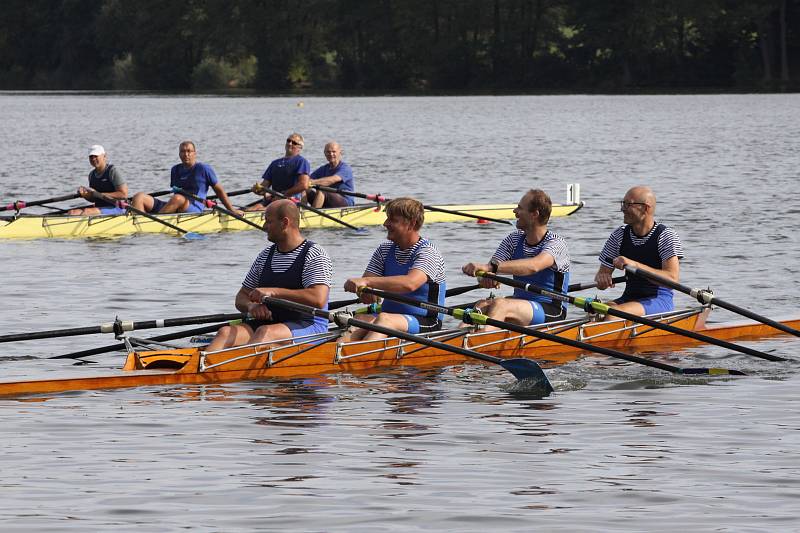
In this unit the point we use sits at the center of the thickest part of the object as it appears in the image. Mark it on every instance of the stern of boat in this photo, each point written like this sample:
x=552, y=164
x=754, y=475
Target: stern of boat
x=175, y=359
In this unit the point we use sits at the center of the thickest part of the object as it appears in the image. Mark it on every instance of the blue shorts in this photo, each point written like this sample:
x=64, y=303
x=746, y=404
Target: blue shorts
x=112, y=210
x=546, y=312
x=661, y=303
x=298, y=328
x=158, y=205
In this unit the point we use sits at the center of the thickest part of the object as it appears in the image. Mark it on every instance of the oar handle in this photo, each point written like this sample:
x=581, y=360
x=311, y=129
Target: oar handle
x=583, y=286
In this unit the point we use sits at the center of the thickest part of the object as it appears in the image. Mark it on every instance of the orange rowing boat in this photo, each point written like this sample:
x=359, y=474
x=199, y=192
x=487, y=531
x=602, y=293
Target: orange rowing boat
x=302, y=357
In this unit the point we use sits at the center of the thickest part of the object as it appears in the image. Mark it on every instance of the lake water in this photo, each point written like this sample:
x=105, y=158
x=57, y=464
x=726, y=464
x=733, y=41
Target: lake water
x=617, y=447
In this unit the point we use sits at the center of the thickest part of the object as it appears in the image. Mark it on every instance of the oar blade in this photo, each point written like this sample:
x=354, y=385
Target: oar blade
x=711, y=372
x=528, y=370
x=192, y=236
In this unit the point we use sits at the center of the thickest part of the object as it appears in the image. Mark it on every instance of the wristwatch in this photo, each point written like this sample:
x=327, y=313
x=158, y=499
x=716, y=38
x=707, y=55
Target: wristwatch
x=494, y=264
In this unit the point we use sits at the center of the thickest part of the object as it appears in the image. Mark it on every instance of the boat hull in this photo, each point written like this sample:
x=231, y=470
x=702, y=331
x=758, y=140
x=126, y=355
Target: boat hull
x=64, y=227
x=192, y=366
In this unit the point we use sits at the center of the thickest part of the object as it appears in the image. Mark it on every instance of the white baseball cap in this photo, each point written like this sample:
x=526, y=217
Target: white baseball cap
x=96, y=150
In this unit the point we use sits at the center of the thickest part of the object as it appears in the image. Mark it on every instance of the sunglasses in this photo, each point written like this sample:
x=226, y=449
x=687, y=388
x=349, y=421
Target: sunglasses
x=294, y=143
x=625, y=205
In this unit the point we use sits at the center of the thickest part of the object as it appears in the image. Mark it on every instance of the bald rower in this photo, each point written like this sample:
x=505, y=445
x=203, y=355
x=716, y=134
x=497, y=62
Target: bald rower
x=292, y=268
x=647, y=245
x=335, y=174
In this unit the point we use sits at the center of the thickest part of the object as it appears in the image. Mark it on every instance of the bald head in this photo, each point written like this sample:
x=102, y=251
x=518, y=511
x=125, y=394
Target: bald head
x=642, y=194
x=280, y=209
x=333, y=153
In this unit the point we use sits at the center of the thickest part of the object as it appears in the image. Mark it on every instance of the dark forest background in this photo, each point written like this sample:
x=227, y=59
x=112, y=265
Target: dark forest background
x=436, y=46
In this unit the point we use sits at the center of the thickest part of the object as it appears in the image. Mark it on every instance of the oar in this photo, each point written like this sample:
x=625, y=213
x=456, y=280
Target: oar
x=521, y=368
x=583, y=286
x=315, y=210
x=215, y=206
x=705, y=296
x=189, y=235
x=455, y=291
x=232, y=193
x=21, y=204
x=472, y=317
x=121, y=345
x=589, y=303
x=119, y=326
x=378, y=198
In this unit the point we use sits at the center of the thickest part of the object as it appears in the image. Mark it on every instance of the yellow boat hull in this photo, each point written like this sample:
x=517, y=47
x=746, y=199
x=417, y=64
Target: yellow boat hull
x=192, y=366
x=64, y=227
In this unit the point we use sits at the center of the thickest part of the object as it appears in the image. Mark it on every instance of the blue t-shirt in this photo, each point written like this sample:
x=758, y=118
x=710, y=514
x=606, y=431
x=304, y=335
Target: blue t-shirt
x=343, y=171
x=283, y=173
x=196, y=180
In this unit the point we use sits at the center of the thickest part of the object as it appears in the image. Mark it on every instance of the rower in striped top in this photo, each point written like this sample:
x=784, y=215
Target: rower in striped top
x=532, y=254
x=647, y=245
x=293, y=269
x=408, y=264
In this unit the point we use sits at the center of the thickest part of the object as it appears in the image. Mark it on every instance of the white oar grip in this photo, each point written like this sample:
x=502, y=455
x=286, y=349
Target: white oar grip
x=704, y=296
x=124, y=325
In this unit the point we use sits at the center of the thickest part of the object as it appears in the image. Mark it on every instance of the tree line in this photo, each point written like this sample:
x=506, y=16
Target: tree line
x=426, y=46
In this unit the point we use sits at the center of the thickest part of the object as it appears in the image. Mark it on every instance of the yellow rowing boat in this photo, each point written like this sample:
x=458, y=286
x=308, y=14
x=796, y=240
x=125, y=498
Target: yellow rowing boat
x=63, y=226
x=324, y=355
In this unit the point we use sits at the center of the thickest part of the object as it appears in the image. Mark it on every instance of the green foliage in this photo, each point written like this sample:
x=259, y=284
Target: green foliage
x=398, y=45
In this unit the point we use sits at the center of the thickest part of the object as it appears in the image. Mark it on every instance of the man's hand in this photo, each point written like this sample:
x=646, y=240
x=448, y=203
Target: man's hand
x=621, y=262
x=604, y=280
x=259, y=311
x=470, y=268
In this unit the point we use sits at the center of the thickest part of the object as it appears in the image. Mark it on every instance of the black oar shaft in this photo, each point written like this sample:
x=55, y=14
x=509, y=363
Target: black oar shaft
x=706, y=297
x=139, y=212
x=455, y=291
x=378, y=198
x=154, y=218
x=121, y=345
x=214, y=205
x=608, y=310
x=119, y=326
x=583, y=286
x=374, y=197
x=21, y=204
x=232, y=193
x=483, y=319
x=312, y=209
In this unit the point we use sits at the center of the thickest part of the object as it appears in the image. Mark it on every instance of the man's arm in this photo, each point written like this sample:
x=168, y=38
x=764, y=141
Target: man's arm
x=670, y=268
x=315, y=295
x=404, y=283
x=301, y=185
x=326, y=181
x=222, y=195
